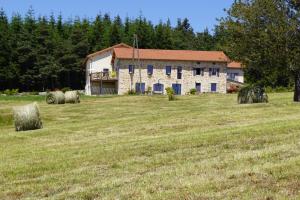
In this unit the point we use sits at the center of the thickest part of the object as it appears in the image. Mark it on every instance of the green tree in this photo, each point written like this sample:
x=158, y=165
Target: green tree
x=163, y=36
x=5, y=50
x=256, y=34
x=116, y=32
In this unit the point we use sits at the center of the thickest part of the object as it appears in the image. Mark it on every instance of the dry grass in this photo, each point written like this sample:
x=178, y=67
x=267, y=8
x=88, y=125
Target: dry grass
x=201, y=147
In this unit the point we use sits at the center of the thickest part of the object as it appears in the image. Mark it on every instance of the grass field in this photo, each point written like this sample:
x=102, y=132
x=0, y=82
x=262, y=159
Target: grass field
x=131, y=147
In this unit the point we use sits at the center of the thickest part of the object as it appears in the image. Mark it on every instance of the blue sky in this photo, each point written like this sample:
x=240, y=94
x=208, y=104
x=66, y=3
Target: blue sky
x=201, y=13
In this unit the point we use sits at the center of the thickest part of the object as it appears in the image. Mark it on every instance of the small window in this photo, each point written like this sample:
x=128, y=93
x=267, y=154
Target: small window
x=168, y=70
x=158, y=87
x=150, y=69
x=198, y=87
x=105, y=72
x=213, y=87
x=179, y=72
x=131, y=69
x=198, y=71
x=214, y=71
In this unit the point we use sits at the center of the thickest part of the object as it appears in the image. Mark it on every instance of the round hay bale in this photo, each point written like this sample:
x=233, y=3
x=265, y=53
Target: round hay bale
x=252, y=94
x=27, y=117
x=57, y=97
x=72, y=97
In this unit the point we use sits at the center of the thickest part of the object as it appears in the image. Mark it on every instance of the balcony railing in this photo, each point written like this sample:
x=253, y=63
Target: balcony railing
x=103, y=76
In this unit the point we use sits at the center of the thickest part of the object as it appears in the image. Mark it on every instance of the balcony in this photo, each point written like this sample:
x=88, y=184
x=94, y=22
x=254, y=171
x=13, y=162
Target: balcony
x=104, y=76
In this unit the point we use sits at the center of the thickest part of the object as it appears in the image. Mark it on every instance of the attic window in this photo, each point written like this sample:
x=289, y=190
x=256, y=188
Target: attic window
x=198, y=63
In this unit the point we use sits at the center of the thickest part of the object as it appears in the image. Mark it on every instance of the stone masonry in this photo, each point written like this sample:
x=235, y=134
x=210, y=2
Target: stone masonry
x=127, y=81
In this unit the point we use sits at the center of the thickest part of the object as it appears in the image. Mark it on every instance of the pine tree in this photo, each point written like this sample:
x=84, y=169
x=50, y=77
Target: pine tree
x=5, y=51
x=116, y=32
x=27, y=54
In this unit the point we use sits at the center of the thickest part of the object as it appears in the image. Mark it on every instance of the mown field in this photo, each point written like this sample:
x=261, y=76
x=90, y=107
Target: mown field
x=135, y=147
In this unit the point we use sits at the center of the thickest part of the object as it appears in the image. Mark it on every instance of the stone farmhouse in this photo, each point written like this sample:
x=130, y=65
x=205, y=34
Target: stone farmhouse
x=114, y=71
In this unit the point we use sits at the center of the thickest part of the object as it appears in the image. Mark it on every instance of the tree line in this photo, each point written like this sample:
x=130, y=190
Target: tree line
x=37, y=54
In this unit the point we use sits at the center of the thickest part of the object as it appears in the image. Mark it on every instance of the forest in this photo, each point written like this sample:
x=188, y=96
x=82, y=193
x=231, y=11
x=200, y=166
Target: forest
x=45, y=53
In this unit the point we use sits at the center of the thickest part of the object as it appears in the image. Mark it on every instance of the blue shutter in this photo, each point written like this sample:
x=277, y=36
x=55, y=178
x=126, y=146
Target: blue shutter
x=177, y=88
x=218, y=71
x=131, y=69
x=155, y=87
x=137, y=88
x=210, y=71
x=213, y=87
x=168, y=70
x=150, y=69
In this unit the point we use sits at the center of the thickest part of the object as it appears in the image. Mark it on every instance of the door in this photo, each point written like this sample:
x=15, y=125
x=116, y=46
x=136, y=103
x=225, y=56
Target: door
x=138, y=88
x=198, y=87
x=177, y=88
x=213, y=87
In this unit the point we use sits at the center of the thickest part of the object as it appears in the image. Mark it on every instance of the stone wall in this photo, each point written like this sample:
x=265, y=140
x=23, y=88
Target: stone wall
x=127, y=81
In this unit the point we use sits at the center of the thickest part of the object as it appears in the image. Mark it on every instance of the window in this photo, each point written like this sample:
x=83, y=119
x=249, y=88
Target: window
x=140, y=88
x=198, y=71
x=179, y=72
x=150, y=69
x=177, y=88
x=105, y=72
x=158, y=87
x=213, y=87
x=214, y=71
x=131, y=69
x=232, y=76
x=198, y=87
x=168, y=70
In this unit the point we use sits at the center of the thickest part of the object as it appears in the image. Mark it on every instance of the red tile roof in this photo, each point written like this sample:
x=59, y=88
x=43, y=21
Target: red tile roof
x=172, y=55
x=121, y=45
x=235, y=65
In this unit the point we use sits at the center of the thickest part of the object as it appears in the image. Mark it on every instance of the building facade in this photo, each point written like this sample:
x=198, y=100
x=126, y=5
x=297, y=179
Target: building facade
x=235, y=72
x=182, y=76
x=99, y=68
x=120, y=69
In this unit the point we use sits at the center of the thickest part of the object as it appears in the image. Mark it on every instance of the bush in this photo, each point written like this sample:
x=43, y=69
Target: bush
x=11, y=92
x=131, y=92
x=149, y=90
x=65, y=89
x=252, y=94
x=233, y=88
x=193, y=91
x=269, y=89
x=170, y=93
x=33, y=93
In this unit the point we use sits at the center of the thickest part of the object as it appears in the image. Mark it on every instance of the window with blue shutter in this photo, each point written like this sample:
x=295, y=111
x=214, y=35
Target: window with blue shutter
x=131, y=69
x=158, y=87
x=177, y=88
x=140, y=88
x=168, y=70
x=150, y=69
x=213, y=87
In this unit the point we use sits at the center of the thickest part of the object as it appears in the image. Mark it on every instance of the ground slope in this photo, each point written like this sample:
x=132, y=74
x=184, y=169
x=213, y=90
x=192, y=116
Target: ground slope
x=131, y=147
